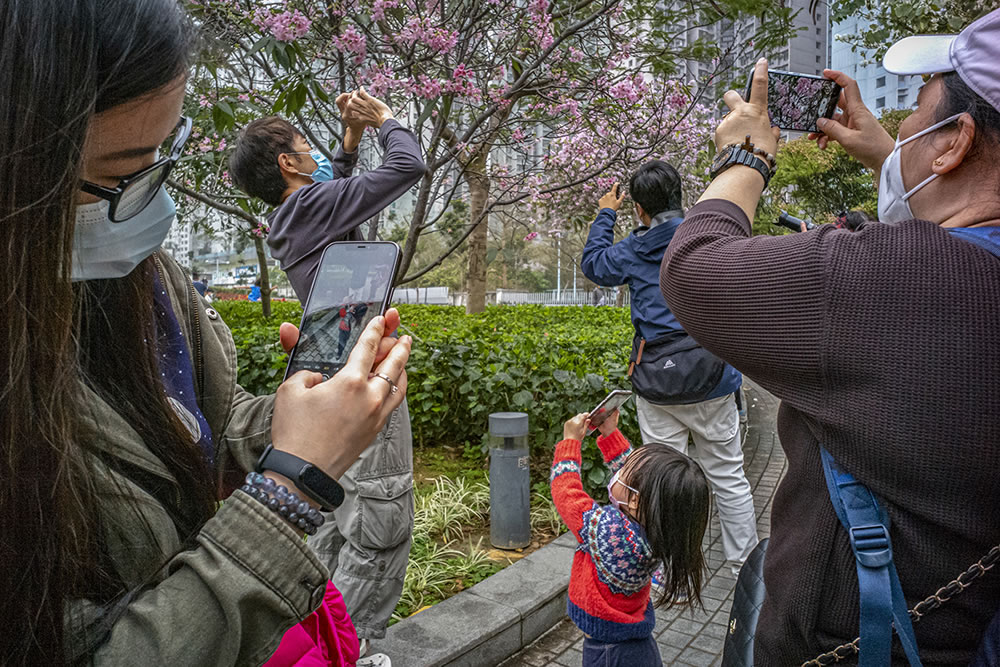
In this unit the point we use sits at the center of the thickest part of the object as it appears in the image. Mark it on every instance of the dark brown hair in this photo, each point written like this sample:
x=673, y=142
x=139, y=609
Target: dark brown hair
x=61, y=63
x=674, y=502
x=253, y=166
x=958, y=98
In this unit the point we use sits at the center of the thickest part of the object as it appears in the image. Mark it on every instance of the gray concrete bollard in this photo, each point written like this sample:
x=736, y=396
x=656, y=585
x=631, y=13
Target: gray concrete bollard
x=510, y=481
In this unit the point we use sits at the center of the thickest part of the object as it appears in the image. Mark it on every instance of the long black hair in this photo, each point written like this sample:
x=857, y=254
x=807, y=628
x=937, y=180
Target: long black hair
x=674, y=502
x=61, y=62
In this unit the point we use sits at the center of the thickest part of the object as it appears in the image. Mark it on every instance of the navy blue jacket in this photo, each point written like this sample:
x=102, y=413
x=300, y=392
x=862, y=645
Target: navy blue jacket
x=635, y=261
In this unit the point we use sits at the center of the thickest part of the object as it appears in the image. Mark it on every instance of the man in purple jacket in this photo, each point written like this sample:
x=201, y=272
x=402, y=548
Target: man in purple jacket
x=366, y=541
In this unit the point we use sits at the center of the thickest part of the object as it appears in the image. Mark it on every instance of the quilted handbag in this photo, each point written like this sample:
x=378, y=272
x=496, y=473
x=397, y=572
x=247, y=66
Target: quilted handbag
x=747, y=600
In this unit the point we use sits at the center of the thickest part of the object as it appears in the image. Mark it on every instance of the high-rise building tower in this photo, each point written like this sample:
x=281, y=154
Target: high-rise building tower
x=879, y=89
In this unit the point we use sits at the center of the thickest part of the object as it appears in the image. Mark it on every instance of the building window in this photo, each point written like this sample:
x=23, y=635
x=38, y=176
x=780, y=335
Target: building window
x=901, y=100
x=817, y=31
x=880, y=82
x=819, y=45
x=817, y=59
x=880, y=103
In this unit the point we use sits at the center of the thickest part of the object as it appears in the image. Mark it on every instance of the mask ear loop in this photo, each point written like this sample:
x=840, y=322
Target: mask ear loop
x=921, y=133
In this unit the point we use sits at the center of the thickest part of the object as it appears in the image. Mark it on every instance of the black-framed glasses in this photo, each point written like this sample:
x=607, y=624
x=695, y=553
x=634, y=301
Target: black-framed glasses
x=134, y=192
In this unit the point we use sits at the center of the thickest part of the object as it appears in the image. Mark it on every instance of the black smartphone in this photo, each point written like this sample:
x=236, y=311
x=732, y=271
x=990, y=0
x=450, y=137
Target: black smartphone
x=352, y=287
x=796, y=101
x=611, y=402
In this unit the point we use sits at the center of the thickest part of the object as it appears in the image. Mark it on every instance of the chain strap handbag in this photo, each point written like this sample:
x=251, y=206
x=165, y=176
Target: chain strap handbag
x=921, y=609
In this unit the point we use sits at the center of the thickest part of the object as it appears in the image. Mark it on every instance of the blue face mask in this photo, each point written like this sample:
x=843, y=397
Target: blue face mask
x=324, y=170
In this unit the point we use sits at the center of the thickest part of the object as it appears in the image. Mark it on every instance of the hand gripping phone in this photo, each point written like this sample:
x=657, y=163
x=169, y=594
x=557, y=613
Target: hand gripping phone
x=611, y=402
x=353, y=285
x=796, y=101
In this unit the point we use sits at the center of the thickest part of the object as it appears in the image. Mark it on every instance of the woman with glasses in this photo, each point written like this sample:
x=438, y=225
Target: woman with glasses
x=121, y=424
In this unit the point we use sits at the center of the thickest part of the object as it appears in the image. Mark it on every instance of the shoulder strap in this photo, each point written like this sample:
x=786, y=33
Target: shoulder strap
x=882, y=603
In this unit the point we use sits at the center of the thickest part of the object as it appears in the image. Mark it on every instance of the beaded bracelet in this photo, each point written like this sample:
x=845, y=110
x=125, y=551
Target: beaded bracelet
x=286, y=503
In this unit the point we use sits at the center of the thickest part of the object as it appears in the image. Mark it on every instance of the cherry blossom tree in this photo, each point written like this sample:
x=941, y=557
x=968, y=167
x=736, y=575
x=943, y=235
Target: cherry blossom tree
x=523, y=110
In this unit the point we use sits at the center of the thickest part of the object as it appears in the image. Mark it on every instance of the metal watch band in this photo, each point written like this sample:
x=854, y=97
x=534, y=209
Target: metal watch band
x=747, y=158
x=307, y=477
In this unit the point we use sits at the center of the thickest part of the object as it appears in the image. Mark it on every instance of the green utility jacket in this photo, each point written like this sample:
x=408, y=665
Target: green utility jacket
x=228, y=598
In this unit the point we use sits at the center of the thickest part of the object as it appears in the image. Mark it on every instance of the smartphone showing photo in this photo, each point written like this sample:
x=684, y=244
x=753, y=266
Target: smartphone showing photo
x=796, y=101
x=353, y=285
x=611, y=402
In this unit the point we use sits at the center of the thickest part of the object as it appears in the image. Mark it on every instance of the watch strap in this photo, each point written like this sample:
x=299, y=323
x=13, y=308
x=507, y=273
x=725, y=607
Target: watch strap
x=307, y=477
x=747, y=158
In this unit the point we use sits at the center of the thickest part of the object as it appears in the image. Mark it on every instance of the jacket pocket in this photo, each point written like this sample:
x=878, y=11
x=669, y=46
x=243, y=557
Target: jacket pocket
x=385, y=511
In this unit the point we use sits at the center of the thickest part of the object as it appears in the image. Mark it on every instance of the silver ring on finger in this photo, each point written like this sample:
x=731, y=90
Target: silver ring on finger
x=393, y=388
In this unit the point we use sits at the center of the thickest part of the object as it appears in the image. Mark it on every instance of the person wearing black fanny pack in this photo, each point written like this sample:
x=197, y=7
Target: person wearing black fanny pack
x=894, y=366
x=680, y=387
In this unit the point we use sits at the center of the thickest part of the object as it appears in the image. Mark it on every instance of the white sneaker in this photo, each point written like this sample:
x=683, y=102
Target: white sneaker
x=374, y=660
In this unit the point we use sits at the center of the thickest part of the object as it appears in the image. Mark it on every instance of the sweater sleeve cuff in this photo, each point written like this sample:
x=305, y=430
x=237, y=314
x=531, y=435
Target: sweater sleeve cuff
x=568, y=450
x=615, y=448
x=386, y=129
x=722, y=208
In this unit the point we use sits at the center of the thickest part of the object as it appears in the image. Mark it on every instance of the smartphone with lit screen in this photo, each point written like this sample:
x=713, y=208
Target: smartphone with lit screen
x=796, y=101
x=353, y=286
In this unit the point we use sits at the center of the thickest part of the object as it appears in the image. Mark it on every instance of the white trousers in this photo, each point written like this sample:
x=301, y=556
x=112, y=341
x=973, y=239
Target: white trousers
x=714, y=426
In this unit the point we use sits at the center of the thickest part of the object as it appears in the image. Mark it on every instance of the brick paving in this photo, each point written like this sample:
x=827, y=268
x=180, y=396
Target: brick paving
x=693, y=637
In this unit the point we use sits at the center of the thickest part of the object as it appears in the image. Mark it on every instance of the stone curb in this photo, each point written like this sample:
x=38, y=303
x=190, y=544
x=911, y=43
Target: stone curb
x=491, y=621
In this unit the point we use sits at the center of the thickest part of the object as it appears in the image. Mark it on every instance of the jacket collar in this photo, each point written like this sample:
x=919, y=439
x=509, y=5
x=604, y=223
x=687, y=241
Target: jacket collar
x=659, y=219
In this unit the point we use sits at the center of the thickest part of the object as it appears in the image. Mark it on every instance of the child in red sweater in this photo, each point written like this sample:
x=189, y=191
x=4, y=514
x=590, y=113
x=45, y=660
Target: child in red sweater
x=657, y=516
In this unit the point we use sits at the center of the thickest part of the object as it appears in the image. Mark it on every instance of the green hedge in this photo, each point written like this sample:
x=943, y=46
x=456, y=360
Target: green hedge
x=549, y=362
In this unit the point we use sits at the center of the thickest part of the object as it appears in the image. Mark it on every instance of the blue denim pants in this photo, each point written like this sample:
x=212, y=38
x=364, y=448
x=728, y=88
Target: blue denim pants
x=631, y=653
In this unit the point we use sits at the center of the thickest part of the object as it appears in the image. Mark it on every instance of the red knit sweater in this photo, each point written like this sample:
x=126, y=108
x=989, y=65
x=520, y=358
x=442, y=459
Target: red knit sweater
x=609, y=583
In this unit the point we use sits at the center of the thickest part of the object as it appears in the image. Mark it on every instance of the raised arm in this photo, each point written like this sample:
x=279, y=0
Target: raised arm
x=570, y=499
x=758, y=303
x=603, y=262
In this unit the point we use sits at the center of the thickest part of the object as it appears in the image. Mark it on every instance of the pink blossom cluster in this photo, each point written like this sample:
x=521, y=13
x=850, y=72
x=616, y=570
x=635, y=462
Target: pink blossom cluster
x=422, y=31
x=463, y=83
x=352, y=43
x=629, y=90
x=379, y=80
x=379, y=7
x=286, y=26
x=540, y=23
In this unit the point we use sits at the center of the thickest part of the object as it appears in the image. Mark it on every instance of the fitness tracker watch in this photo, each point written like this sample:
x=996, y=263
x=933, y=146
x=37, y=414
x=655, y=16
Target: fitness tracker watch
x=311, y=480
x=745, y=154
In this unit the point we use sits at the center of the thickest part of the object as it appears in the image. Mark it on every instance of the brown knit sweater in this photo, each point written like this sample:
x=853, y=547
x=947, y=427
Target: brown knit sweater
x=884, y=346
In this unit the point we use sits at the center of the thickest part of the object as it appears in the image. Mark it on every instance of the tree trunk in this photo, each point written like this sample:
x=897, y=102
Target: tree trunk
x=265, y=282
x=479, y=188
x=373, y=224
x=420, y=210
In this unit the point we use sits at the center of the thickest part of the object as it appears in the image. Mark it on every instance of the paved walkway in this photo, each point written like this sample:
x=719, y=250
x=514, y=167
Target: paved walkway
x=693, y=637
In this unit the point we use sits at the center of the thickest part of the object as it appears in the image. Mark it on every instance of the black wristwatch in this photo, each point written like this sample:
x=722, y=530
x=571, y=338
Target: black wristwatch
x=745, y=154
x=311, y=480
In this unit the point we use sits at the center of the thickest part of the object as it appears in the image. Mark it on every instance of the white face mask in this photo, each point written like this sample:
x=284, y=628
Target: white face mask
x=105, y=249
x=893, y=199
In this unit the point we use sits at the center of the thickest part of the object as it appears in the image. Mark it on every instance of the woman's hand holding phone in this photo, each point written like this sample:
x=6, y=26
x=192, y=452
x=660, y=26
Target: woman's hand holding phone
x=854, y=127
x=330, y=423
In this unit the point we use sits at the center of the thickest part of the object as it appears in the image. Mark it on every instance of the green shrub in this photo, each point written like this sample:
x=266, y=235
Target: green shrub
x=551, y=363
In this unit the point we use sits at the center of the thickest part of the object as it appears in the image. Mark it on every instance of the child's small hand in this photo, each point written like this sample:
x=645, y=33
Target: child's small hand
x=576, y=428
x=609, y=425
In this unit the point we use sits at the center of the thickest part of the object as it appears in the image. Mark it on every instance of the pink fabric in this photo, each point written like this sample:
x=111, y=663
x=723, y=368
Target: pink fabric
x=327, y=637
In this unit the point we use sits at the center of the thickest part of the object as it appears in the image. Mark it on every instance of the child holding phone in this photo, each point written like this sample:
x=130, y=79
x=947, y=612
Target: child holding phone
x=656, y=517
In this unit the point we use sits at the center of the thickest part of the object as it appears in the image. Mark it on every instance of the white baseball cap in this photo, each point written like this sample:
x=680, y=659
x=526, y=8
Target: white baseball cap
x=974, y=53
